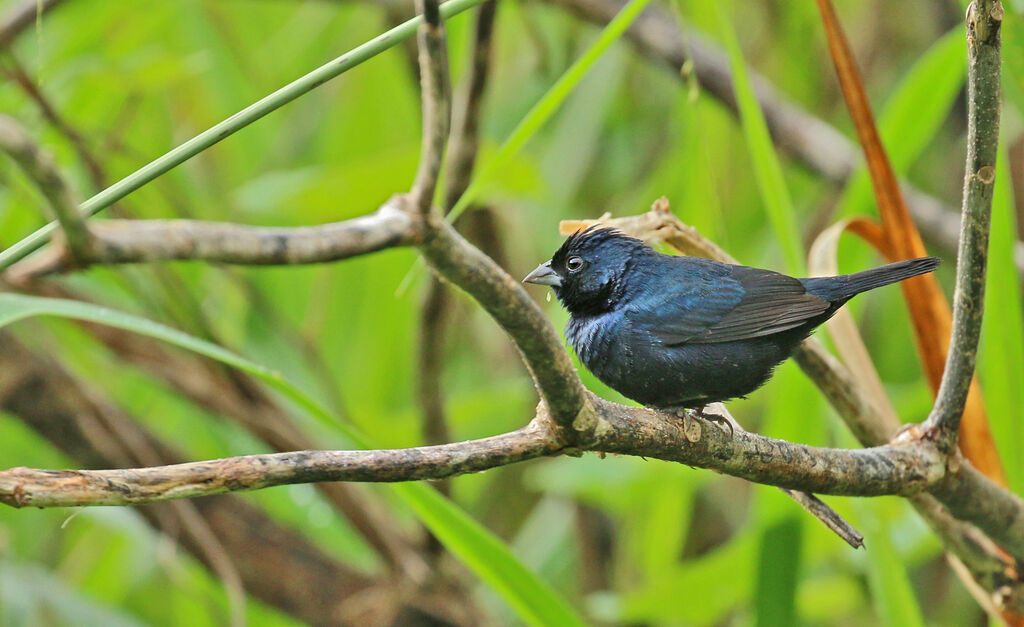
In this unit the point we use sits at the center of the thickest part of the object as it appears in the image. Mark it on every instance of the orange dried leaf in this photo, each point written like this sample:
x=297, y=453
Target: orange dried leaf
x=899, y=239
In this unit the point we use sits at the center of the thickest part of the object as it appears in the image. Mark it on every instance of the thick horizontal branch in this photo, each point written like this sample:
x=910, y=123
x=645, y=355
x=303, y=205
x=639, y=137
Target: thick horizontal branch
x=893, y=469
x=22, y=487
x=900, y=468
x=142, y=241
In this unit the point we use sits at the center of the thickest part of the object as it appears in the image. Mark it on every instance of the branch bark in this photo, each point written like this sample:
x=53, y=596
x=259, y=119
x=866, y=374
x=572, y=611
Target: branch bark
x=901, y=468
x=507, y=302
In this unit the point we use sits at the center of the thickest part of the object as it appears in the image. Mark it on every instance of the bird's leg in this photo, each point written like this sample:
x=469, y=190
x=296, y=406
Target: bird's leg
x=720, y=419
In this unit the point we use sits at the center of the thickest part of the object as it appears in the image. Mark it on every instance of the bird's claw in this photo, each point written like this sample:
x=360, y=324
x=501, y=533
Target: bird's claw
x=720, y=419
x=691, y=427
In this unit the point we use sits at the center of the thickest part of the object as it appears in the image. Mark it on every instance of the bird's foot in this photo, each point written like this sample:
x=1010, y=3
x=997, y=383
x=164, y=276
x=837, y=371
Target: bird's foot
x=724, y=420
x=691, y=427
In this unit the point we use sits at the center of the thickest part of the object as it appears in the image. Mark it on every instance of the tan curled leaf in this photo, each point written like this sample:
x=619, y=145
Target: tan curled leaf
x=823, y=261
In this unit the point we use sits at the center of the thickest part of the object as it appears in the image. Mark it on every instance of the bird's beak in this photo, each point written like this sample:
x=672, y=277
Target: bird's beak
x=544, y=275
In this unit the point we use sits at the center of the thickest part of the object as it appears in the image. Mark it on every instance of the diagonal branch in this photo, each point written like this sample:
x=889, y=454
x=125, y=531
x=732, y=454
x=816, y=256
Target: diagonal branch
x=507, y=302
x=464, y=141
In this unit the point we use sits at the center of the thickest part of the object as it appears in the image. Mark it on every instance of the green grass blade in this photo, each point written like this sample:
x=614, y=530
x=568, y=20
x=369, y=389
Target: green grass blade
x=492, y=561
x=767, y=169
x=778, y=570
x=1001, y=358
x=236, y=122
x=1013, y=59
x=548, y=104
x=536, y=602
x=913, y=115
x=783, y=533
x=892, y=593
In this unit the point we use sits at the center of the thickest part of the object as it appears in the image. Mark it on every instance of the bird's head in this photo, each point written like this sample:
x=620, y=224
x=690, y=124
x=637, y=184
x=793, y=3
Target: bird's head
x=589, y=271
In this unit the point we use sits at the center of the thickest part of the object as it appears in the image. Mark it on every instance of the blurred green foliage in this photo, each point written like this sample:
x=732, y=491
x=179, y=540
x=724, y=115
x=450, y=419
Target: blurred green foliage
x=681, y=546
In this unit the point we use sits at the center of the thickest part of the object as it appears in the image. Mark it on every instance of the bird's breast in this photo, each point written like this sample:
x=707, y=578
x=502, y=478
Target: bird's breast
x=593, y=339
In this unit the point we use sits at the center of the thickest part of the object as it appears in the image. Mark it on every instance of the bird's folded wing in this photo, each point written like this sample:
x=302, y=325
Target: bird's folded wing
x=750, y=303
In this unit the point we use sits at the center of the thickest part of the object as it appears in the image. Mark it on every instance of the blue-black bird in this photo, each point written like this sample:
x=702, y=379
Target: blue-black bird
x=681, y=332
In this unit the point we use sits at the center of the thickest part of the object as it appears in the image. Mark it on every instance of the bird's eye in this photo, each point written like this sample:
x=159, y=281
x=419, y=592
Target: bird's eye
x=574, y=264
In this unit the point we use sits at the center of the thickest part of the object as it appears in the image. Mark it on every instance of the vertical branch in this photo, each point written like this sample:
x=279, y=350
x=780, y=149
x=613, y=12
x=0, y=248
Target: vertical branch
x=984, y=18
x=41, y=168
x=460, y=161
x=436, y=97
x=435, y=93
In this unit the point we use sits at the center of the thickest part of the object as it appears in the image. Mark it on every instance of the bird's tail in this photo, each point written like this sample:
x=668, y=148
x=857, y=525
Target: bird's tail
x=849, y=285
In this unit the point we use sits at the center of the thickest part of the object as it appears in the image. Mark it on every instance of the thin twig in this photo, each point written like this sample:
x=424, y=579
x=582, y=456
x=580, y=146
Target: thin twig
x=434, y=313
x=984, y=19
x=817, y=508
x=30, y=86
x=41, y=168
